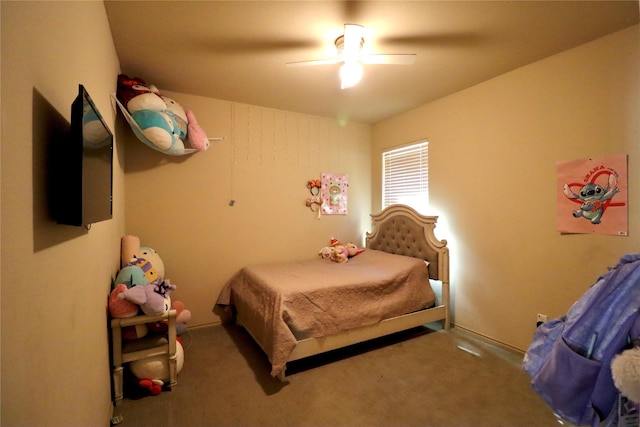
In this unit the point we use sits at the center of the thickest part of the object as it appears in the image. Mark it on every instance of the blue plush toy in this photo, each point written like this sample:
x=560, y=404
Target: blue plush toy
x=139, y=272
x=160, y=128
x=157, y=120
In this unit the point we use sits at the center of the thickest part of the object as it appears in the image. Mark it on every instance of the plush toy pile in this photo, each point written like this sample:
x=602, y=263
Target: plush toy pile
x=339, y=252
x=141, y=288
x=157, y=120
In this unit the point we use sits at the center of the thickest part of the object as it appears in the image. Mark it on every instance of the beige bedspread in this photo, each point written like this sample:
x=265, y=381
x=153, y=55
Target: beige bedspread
x=282, y=303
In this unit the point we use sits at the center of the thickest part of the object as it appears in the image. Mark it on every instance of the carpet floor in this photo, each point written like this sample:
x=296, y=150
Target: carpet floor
x=421, y=377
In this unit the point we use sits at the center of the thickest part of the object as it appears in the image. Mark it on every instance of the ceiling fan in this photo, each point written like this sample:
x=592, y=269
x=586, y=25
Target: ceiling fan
x=350, y=53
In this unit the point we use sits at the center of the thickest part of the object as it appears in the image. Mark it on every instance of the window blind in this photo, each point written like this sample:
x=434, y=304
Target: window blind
x=405, y=176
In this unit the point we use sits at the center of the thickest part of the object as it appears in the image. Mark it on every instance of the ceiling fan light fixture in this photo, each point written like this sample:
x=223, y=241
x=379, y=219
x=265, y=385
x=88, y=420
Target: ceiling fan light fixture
x=350, y=74
x=350, y=52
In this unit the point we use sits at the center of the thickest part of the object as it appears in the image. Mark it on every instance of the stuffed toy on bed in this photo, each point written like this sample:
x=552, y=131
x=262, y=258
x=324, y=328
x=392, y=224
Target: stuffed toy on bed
x=163, y=124
x=353, y=250
x=339, y=252
x=326, y=252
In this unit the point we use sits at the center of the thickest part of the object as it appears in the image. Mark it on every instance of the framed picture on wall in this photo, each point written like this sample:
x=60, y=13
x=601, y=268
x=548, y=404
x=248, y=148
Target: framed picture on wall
x=334, y=193
x=592, y=196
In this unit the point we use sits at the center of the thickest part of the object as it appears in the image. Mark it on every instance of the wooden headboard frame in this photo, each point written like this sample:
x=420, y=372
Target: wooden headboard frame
x=401, y=230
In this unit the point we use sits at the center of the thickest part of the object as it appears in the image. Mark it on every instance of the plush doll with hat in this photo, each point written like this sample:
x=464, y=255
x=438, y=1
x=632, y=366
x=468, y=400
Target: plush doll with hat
x=340, y=253
x=161, y=122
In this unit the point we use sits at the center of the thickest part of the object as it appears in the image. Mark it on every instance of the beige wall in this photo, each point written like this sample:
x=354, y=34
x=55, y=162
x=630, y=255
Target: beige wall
x=55, y=278
x=180, y=206
x=492, y=154
x=493, y=151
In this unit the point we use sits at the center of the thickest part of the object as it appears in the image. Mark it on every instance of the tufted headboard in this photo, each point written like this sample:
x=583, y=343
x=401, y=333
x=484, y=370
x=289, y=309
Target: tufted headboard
x=401, y=230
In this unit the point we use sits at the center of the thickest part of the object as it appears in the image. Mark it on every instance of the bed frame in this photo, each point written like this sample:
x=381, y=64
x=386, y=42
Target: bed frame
x=401, y=230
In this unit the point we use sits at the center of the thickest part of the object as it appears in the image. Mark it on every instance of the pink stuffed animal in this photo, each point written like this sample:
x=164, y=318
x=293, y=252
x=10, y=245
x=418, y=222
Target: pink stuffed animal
x=153, y=298
x=195, y=134
x=340, y=254
x=353, y=250
x=120, y=308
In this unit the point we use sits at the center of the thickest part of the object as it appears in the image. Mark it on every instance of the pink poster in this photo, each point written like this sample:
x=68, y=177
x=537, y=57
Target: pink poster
x=592, y=196
x=334, y=193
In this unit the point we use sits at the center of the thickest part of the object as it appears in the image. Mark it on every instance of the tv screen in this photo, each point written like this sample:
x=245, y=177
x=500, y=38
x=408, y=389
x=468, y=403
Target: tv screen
x=85, y=166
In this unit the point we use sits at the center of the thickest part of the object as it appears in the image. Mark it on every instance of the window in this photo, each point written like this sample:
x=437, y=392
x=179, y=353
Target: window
x=405, y=176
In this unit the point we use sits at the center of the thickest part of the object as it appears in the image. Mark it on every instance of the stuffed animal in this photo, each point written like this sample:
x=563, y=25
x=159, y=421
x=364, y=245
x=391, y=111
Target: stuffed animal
x=138, y=272
x=340, y=254
x=130, y=249
x=183, y=316
x=152, y=298
x=121, y=308
x=195, y=134
x=353, y=250
x=163, y=122
x=335, y=242
x=153, y=372
x=326, y=252
x=625, y=369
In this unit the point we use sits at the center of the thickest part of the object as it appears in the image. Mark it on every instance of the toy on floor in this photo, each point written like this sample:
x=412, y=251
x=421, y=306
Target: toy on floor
x=159, y=121
x=153, y=372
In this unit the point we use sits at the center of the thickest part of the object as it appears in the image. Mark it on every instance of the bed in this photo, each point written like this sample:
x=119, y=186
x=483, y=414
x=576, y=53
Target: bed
x=299, y=309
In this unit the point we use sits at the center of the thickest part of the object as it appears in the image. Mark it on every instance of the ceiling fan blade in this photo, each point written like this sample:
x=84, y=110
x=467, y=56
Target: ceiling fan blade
x=313, y=62
x=397, y=59
x=439, y=40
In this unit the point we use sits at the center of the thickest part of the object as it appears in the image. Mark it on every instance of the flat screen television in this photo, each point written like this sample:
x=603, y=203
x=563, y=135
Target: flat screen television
x=84, y=167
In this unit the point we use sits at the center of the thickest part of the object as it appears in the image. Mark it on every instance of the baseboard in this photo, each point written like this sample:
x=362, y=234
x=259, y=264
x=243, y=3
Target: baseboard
x=208, y=325
x=110, y=414
x=489, y=339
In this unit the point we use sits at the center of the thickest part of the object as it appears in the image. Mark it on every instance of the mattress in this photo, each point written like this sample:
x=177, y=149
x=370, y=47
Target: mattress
x=280, y=304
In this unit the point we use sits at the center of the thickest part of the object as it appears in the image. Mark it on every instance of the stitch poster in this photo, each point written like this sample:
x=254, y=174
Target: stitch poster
x=592, y=196
x=333, y=192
